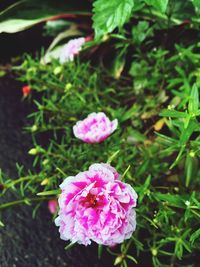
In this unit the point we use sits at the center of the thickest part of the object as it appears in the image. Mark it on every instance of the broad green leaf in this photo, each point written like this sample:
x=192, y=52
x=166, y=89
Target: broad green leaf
x=160, y=5
x=110, y=14
x=196, y=3
x=194, y=100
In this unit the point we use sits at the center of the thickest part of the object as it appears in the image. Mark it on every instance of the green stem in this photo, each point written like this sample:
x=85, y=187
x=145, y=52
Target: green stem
x=161, y=16
x=22, y=201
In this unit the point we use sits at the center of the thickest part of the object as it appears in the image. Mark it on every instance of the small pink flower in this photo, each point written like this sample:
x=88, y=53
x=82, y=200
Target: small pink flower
x=72, y=48
x=52, y=206
x=95, y=128
x=96, y=206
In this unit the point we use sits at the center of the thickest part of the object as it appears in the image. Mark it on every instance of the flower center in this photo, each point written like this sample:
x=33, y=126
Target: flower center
x=91, y=201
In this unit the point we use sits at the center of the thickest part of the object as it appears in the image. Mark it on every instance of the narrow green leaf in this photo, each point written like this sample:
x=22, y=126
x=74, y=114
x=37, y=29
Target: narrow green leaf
x=48, y=193
x=172, y=200
x=110, y=159
x=188, y=169
x=144, y=188
x=132, y=258
x=173, y=113
x=193, y=126
x=193, y=100
x=125, y=172
x=194, y=236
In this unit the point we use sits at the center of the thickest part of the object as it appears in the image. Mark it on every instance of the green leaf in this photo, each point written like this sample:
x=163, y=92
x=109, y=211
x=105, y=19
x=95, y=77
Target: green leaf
x=141, y=31
x=48, y=193
x=118, y=64
x=194, y=236
x=193, y=100
x=144, y=188
x=110, y=159
x=110, y=14
x=173, y=200
x=196, y=3
x=189, y=165
x=172, y=113
x=160, y=5
x=132, y=259
x=193, y=126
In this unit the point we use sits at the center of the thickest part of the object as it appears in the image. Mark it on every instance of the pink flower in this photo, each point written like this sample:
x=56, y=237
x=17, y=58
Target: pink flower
x=72, y=48
x=96, y=206
x=52, y=206
x=95, y=128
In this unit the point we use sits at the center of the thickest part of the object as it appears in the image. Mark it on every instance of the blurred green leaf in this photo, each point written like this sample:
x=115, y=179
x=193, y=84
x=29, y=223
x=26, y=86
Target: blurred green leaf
x=160, y=5
x=195, y=236
x=173, y=113
x=193, y=126
x=172, y=200
x=141, y=31
x=48, y=193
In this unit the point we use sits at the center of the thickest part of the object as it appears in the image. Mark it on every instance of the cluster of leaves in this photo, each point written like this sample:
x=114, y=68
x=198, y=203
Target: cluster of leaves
x=151, y=87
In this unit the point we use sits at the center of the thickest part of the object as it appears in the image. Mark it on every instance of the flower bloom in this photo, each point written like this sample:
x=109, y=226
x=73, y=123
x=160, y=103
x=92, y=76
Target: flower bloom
x=52, y=206
x=72, y=48
x=95, y=128
x=26, y=90
x=96, y=206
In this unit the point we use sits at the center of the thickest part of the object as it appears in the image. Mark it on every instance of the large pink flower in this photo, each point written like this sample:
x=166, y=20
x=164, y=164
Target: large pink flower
x=96, y=206
x=95, y=128
x=72, y=48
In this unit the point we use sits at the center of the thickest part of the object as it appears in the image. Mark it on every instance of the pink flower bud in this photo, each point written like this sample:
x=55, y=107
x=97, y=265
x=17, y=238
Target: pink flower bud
x=95, y=128
x=52, y=206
